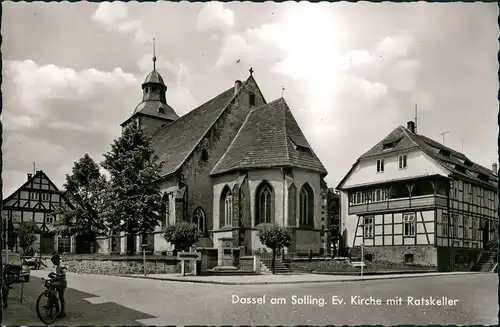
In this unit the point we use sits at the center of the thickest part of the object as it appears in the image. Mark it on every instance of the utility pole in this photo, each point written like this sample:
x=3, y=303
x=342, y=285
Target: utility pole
x=443, y=134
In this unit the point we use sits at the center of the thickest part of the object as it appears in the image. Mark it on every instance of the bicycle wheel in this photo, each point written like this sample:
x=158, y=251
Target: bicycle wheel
x=47, y=307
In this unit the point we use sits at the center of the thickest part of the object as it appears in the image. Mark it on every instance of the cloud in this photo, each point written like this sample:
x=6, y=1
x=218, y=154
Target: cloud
x=18, y=121
x=404, y=75
x=395, y=46
x=214, y=16
x=114, y=16
x=34, y=82
x=234, y=47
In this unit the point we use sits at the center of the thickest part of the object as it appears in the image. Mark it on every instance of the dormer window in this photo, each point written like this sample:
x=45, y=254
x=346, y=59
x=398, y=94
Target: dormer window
x=153, y=89
x=460, y=168
x=468, y=163
x=161, y=110
x=444, y=152
x=389, y=144
x=380, y=165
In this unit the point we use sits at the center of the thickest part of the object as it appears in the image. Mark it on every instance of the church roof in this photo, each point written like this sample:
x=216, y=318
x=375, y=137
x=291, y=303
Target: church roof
x=154, y=77
x=150, y=108
x=401, y=139
x=269, y=137
x=174, y=144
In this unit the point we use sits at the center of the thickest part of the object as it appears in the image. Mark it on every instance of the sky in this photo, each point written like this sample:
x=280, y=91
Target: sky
x=352, y=72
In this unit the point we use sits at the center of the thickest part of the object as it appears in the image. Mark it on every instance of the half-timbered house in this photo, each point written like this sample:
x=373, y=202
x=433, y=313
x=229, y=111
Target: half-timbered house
x=411, y=199
x=36, y=201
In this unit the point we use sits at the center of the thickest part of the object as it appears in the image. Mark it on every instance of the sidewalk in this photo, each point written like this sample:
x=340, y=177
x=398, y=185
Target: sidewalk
x=284, y=279
x=80, y=310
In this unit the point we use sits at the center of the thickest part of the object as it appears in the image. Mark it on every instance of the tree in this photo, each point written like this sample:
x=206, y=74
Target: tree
x=27, y=232
x=12, y=235
x=83, y=215
x=333, y=205
x=182, y=235
x=133, y=201
x=274, y=237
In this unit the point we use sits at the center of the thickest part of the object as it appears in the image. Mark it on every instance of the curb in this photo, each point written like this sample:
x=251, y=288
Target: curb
x=298, y=281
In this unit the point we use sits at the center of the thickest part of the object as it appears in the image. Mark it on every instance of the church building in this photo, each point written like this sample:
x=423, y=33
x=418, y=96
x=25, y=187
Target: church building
x=230, y=164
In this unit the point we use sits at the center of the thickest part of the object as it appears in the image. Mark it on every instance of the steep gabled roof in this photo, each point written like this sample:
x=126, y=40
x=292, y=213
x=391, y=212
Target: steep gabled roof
x=398, y=139
x=37, y=174
x=456, y=163
x=175, y=143
x=269, y=137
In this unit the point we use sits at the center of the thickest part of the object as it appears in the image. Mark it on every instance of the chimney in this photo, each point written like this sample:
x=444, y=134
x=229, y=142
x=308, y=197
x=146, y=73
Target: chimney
x=411, y=126
x=237, y=86
x=29, y=176
x=494, y=168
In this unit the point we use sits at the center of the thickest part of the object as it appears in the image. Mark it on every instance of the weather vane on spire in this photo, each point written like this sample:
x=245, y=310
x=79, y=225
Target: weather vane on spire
x=251, y=71
x=154, y=55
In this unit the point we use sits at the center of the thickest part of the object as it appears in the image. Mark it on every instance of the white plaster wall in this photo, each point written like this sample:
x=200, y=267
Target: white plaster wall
x=275, y=178
x=161, y=244
x=219, y=182
x=418, y=164
x=348, y=222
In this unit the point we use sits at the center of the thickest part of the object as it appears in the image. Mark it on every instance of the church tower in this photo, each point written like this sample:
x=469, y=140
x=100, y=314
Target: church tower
x=153, y=112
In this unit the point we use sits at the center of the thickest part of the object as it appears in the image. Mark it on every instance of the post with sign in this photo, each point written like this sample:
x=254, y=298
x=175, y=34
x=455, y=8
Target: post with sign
x=144, y=247
x=362, y=257
x=188, y=256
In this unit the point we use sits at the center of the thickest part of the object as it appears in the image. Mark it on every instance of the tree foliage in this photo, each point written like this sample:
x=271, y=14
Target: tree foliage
x=85, y=190
x=274, y=237
x=333, y=205
x=182, y=235
x=133, y=200
x=27, y=232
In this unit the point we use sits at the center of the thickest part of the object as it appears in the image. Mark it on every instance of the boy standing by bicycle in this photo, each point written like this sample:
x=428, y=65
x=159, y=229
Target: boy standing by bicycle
x=59, y=281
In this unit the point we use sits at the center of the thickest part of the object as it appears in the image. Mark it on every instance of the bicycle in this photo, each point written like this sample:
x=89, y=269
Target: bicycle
x=52, y=307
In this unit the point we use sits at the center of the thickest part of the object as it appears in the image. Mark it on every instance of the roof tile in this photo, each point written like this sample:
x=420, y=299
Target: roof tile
x=268, y=138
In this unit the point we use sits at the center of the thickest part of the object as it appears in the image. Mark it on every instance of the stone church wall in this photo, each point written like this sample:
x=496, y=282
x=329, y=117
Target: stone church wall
x=196, y=171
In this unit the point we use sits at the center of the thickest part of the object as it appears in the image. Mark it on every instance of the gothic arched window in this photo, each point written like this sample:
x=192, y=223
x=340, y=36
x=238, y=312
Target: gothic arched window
x=166, y=209
x=265, y=204
x=199, y=219
x=226, y=208
x=306, y=205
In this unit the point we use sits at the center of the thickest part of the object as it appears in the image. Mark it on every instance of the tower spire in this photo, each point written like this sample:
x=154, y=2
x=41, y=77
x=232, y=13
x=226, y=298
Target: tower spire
x=154, y=55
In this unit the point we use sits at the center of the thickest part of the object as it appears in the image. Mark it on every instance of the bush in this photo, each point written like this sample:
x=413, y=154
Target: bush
x=182, y=235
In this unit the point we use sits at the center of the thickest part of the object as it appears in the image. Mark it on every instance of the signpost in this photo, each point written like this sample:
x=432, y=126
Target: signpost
x=144, y=247
x=362, y=257
x=191, y=257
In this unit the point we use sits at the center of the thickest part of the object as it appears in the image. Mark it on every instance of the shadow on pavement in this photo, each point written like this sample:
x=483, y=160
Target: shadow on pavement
x=79, y=311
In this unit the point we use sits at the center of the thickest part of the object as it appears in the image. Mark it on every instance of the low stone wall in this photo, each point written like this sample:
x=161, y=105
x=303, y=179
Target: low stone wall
x=120, y=265
x=246, y=263
x=424, y=255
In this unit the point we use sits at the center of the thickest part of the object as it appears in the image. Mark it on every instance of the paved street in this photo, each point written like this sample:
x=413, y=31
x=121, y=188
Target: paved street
x=80, y=311
x=181, y=303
